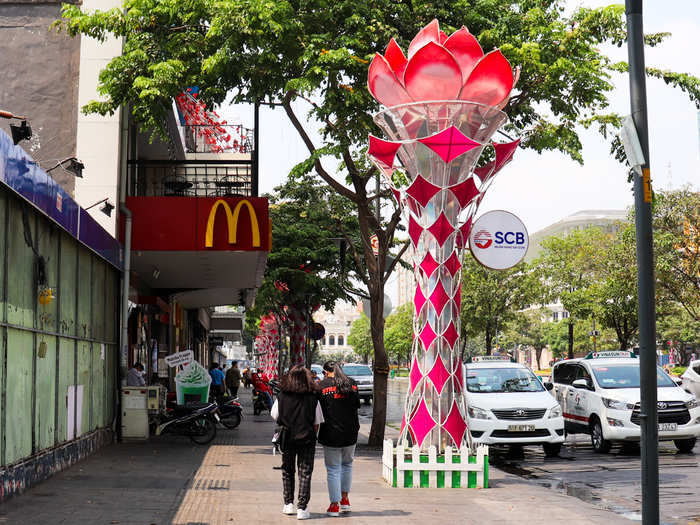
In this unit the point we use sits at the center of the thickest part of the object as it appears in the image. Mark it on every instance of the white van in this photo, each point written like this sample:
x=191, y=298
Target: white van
x=600, y=396
x=507, y=404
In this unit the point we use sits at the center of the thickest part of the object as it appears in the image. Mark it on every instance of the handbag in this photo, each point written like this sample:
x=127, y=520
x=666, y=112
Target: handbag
x=281, y=437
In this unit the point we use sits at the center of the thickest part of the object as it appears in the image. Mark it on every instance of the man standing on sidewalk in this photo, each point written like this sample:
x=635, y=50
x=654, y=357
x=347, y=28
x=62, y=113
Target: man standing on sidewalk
x=233, y=379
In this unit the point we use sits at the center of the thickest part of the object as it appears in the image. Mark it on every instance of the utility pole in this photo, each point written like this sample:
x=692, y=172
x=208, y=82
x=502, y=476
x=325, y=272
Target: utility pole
x=645, y=269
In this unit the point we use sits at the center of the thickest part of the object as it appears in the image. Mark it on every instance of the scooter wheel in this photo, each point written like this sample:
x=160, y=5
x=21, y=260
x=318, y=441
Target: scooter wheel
x=231, y=421
x=256, y=410
x=205, y=429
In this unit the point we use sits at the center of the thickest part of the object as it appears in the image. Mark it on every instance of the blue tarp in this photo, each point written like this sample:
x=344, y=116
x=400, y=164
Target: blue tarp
x=22, y=174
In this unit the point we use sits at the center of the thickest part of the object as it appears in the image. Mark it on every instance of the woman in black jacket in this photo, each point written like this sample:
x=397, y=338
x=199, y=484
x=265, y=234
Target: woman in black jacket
x=297, y=408
x=338, y=434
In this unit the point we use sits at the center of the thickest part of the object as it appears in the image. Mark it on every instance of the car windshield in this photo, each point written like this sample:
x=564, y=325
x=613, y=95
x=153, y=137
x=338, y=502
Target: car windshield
x=626, y=376
x=502, y=380
x=357, y=370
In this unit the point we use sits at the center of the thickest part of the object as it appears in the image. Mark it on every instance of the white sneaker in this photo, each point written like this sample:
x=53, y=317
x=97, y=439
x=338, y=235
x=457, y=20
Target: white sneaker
x=303, y=514
x=289, y=508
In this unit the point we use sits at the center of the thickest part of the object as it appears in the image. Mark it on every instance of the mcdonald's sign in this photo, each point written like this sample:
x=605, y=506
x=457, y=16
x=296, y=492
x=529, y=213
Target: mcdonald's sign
x=232, y=222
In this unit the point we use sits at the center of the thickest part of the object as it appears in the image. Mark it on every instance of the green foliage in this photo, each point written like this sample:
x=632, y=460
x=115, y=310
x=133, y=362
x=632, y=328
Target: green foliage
x=398, y=333
x=360, y=337
x=491, y=299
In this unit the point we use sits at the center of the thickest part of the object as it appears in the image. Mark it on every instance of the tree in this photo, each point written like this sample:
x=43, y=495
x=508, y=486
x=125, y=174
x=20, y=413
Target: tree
x=360, y=337
x=490, y=298
x=398, y=333
x=676, y=221
x=285, y=50
x=529, y=328
x=566, y=267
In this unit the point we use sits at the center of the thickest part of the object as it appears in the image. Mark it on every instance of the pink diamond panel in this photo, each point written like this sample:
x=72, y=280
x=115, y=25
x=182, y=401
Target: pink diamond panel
x=439, y=374
x=422, y=190
x=449, y=143
x=455, y=425
x=421, y=423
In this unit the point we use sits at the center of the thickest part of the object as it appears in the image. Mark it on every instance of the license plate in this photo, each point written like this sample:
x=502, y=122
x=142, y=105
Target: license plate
x=668, y=426
x=521, y=428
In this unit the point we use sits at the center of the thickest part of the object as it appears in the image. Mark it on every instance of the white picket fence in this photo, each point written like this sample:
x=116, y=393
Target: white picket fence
x=396, y=458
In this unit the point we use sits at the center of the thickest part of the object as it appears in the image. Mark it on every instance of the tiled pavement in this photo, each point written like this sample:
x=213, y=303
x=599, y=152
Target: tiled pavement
x=171, y=481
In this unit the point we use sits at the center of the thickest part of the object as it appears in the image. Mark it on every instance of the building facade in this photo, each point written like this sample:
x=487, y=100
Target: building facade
x=338, y=324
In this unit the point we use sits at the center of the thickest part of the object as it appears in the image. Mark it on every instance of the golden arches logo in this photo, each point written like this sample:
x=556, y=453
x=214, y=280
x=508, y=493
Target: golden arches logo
x=232, y=222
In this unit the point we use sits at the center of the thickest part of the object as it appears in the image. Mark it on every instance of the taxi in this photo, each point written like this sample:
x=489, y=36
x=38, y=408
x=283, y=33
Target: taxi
x=508, y=405
x=600, y=395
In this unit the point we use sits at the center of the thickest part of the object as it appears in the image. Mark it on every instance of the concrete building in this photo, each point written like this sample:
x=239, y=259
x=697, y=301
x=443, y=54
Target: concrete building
x=405, y=283
x=337, y=324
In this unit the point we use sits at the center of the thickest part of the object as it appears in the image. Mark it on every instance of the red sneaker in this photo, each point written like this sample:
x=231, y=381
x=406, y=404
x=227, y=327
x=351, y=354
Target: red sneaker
x=345, y=505
x=333, y=510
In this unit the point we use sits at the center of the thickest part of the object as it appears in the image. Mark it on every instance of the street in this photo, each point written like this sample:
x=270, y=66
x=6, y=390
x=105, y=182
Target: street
x=611, y=481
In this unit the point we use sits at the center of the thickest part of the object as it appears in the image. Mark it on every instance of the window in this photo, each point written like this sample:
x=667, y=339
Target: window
x=565, y=315
x=341, y=340
x=564, y=374
x=555, y=316
x=331, y=340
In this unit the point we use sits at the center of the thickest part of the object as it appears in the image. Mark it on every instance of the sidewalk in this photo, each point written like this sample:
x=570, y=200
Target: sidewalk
x=171, y=481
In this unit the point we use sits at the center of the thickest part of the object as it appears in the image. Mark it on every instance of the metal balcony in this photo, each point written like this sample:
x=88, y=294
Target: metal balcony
x=219, y=138
x=191, y=178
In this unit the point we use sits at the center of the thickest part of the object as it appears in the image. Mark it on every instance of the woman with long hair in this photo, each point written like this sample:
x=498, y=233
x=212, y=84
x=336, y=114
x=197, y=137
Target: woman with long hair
x=298, y=410
x=338, y=434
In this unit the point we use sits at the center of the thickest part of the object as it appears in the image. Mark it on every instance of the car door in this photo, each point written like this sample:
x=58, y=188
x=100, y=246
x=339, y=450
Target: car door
x=562, y=384
x=580, y=398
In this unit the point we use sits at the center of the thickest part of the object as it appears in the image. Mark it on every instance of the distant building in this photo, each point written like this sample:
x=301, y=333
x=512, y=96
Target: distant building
x=406, y=283
x=337, y=324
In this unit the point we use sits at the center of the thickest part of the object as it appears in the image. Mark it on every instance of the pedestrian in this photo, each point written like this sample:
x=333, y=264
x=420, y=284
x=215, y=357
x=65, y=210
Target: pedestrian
x=217, y=380
x=338, y=434
x=134, y=376
x=233, y=379
x=297, y=408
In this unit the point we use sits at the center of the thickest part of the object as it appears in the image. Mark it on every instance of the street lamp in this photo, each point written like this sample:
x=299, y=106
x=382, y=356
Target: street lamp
x=74, y=166
x=106, y=208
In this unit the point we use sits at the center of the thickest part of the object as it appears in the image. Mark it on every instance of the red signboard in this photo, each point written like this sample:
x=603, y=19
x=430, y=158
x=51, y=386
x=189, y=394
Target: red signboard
x=199, y=224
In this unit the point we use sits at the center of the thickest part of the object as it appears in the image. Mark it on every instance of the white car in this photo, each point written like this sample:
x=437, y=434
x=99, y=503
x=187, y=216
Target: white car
x=691, y=379
x=507, y=404
x=600, y=396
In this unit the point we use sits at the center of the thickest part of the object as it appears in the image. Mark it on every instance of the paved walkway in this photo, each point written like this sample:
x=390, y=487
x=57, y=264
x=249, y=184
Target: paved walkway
x=171, y=481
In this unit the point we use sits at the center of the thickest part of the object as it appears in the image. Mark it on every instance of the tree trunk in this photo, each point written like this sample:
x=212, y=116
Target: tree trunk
x=538, y=357
x=381, y=367
x=489, y=338
x=571, y=339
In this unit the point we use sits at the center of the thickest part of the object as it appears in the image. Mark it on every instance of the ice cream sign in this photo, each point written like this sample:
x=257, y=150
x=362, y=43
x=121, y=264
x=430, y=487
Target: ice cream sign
x=180, y=358
x=498, y=240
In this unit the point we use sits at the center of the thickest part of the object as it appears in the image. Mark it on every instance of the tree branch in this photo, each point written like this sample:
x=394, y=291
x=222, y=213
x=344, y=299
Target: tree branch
x=345, y=192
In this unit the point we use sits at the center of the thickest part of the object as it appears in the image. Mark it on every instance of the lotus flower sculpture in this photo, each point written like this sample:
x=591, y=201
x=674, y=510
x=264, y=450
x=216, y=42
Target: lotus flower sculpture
x=444, y=101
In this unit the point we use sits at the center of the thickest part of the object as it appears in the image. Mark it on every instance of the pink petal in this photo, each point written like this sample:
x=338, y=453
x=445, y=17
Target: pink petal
x=490, y=82
x=384, y=85
x=397, y=60
x=430, y=33
x=466, y=50
x=433, y=74
x=443, y=37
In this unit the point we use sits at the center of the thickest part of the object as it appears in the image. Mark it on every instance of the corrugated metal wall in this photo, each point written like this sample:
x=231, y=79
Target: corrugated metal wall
x=53, y=394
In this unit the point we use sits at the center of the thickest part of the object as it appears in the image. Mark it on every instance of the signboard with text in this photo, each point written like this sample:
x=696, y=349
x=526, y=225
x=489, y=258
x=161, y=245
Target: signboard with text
x=498, y=240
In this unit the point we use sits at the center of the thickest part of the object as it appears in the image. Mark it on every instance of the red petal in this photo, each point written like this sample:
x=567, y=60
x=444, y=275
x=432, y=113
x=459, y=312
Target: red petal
x=490, y=82
x=443, y=37
x=466, y=50
x=384, y=85
x=430, y=33
x=396, y=59
x=433, y=74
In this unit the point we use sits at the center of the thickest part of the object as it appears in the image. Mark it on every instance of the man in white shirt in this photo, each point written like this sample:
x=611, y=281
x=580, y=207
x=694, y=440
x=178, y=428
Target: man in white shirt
x=135, y=376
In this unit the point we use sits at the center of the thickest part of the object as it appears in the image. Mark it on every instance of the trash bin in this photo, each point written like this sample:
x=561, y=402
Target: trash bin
x=392, y=373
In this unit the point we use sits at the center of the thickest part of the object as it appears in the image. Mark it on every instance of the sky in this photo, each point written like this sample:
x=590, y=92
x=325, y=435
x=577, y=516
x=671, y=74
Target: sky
x=544, y=188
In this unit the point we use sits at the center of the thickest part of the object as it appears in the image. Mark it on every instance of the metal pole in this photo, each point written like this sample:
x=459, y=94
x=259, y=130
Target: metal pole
x=256, y=149
x=645, y=269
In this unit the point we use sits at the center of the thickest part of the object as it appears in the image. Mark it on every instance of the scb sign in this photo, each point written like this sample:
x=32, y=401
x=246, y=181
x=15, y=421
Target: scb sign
x=498, y=240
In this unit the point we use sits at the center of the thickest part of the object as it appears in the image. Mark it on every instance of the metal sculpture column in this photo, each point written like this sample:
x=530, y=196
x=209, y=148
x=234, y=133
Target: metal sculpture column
x=444, y=101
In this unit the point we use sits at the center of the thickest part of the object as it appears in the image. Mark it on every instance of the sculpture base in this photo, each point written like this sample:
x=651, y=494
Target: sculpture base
x=456, y=468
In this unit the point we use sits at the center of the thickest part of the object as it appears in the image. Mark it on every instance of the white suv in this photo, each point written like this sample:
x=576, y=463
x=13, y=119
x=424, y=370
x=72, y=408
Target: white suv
x=507, y=404
x=600, y=396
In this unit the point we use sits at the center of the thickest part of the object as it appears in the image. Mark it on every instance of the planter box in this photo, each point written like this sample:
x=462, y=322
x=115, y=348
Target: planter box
x=456, y=468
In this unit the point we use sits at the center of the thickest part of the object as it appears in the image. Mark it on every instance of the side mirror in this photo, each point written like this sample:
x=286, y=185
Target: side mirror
x=548, y=385
x=580, y=383
x=677, y=380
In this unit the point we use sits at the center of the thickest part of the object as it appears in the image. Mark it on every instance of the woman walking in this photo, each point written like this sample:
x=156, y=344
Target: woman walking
x=338, y=434
x=298, y=410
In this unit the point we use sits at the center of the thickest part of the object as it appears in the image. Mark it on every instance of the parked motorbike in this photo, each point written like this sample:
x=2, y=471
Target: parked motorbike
x=230, y=411
x=196, y=420
x=259, y=402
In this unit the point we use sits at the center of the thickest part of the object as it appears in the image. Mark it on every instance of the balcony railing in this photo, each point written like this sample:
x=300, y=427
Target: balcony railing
x=191, y=178
x=217, y=138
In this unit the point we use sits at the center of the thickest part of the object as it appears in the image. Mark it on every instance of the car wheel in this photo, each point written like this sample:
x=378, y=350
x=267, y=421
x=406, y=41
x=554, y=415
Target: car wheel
x=600, y=444
x=685, y=446
x=551, y=450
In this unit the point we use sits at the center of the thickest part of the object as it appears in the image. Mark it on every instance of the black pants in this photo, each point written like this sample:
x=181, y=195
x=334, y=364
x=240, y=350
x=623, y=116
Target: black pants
x=305, y=463
x=233, y=390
